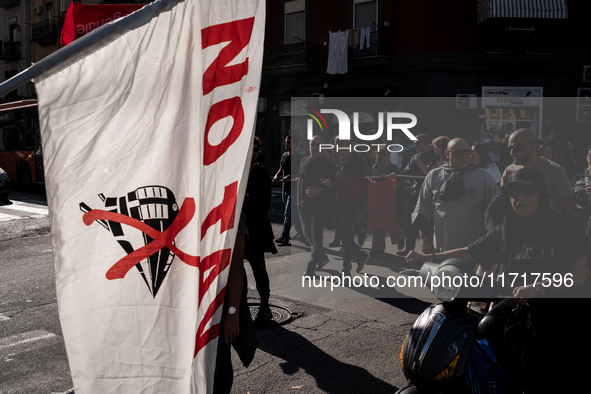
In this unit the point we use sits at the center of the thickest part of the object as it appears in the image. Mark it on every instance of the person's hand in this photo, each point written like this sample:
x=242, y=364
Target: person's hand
x=415, y=258
x=393, y=175
x=287, y=178
x=588, y=190
x=417, y=160
x=275, y=179
x=231, y=327
x=312, y=191
x=326, y=182
x=522, y=294
x=339, y=176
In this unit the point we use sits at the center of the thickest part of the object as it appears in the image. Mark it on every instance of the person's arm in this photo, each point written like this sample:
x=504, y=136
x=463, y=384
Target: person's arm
x=234, y=289
x=462, y=254
x=567, y=205
x=276, y=176
x=424, y=168
x=578, y=270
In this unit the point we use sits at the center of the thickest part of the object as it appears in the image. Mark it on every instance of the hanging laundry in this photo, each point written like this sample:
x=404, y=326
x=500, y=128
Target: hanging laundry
x=354, y=38
x=337, y=52
x=365, y=35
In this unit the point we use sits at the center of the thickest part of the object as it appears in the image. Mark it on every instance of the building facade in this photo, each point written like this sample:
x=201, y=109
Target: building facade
x=475, y=51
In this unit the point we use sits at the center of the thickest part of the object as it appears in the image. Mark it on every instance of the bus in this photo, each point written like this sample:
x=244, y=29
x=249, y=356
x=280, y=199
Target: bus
x=20, y=143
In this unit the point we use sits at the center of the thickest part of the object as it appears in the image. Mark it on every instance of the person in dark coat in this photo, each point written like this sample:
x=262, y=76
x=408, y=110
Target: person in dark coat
x=257, y=201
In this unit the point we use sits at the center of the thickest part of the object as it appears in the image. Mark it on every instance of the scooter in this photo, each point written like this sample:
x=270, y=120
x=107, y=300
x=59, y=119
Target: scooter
x=449, y=350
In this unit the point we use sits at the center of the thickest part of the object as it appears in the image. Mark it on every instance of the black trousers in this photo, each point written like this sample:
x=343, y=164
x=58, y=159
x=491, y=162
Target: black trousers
x=261, y=277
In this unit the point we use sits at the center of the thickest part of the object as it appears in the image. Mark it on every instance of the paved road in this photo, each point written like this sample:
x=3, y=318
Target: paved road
x=344, y=343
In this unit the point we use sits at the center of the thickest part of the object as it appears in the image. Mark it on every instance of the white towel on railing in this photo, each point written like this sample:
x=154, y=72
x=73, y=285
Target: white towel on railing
x=337, y=52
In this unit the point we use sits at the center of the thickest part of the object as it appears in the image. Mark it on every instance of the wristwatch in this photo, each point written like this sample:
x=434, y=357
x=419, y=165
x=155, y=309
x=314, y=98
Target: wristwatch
x=232, y=310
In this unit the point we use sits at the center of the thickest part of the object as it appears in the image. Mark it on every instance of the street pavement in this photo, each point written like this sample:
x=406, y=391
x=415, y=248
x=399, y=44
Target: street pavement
x=337, y=343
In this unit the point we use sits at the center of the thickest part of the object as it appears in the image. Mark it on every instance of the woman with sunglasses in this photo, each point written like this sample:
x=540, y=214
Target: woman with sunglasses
x=532, y=240
x=382, y=165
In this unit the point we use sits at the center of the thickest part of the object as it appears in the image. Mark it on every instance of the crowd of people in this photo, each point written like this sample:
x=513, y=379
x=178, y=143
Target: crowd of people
x=449, y=195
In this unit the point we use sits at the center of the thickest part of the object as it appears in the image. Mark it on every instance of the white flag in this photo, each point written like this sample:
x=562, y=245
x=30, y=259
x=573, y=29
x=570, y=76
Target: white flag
x=146, y=140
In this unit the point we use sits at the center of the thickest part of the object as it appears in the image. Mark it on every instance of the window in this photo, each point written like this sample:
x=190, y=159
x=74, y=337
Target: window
x=365, y=13
x=294, y=22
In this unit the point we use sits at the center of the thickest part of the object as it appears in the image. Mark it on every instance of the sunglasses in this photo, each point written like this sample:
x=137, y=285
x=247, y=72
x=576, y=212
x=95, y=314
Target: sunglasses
x=527, y=191
x=461, y=152
x=517, y=148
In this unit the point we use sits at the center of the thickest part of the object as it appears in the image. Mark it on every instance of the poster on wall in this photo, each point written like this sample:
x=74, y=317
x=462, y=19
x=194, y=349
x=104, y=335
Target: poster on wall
x=507, y=109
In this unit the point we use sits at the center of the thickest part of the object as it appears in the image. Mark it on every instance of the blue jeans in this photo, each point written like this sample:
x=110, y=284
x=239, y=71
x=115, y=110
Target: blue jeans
x=313, y=227
x=347, y=219
x=290, y=212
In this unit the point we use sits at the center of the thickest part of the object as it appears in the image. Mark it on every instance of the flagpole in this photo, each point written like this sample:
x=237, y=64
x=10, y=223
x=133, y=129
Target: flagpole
x=87, y=44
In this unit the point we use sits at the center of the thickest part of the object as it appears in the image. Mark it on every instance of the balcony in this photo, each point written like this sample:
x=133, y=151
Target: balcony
x=292, y=55
x=379, y=45
x=9, y=3
x=10, y=51
x=46, y=32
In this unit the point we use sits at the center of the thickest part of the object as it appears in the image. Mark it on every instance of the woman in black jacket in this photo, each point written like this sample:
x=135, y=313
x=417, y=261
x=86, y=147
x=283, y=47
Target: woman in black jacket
x=542, y=256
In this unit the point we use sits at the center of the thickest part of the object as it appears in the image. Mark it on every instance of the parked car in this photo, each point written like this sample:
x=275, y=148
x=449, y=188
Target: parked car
x=4, y=185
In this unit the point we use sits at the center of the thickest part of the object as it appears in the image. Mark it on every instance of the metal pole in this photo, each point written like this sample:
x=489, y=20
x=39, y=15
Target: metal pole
x=87, y=44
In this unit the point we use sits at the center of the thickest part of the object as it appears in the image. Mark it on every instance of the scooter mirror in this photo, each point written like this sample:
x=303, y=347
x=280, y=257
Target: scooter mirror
x=452, y=280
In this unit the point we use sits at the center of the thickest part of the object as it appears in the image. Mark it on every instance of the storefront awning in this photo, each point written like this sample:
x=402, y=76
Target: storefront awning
x=552, y=9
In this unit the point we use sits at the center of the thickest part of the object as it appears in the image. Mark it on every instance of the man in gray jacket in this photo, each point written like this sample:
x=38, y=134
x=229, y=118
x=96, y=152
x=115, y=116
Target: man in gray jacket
x=456, y=196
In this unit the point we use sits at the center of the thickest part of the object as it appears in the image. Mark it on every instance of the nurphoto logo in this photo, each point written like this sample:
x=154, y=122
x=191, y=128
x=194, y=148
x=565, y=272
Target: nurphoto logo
x=344, y=123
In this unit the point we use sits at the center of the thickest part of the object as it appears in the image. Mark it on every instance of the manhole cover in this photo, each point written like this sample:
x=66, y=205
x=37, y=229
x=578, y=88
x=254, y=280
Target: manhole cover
x=281, y=315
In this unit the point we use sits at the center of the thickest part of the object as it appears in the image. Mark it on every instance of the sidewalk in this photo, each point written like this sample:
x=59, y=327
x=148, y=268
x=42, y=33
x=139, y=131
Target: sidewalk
x=333, y=346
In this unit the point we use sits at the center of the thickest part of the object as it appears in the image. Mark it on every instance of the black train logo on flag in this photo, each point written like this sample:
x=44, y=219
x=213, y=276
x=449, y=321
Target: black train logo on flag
x=154, y=206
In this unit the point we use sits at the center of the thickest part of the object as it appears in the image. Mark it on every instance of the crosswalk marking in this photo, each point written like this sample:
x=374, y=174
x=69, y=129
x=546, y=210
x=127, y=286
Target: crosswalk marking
x=19, y=343
x=19, y=210
x=5, y=217
x=19, y=206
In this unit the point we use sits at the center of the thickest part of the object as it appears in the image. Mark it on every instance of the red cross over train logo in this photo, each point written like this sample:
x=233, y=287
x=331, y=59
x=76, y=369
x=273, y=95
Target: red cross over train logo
x=154, y=211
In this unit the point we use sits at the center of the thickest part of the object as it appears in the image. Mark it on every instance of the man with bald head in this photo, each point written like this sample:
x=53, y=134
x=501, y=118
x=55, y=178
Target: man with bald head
x=456, y=196
x=522, y=147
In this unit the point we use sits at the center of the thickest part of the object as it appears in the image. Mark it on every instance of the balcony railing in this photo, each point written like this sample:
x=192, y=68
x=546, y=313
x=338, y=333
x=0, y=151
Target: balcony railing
x=298, y=54
x=379, y=45
x=9, y=3
x=46, y=32
x=10, y=50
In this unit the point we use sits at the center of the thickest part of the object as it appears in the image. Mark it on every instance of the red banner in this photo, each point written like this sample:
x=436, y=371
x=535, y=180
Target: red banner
x=84, y=18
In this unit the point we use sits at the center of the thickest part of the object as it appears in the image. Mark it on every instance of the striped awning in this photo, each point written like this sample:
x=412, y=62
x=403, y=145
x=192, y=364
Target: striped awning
x=553, y=9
